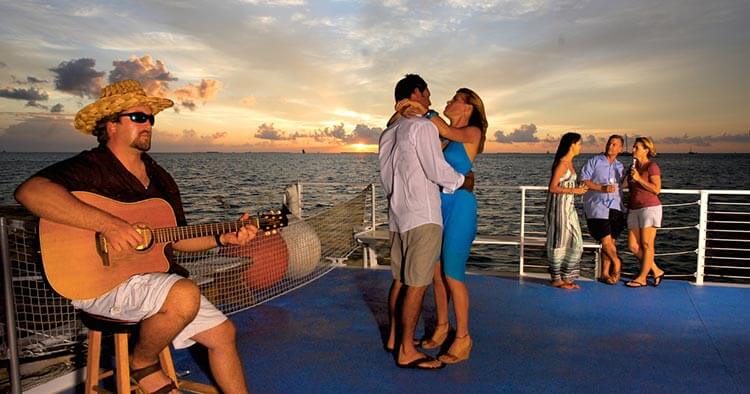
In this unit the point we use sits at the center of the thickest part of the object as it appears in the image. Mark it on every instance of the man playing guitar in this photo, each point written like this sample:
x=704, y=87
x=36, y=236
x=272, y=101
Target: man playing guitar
x=170, y=306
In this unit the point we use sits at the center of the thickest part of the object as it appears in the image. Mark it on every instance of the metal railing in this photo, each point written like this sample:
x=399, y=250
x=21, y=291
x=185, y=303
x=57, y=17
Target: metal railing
x=712, y=225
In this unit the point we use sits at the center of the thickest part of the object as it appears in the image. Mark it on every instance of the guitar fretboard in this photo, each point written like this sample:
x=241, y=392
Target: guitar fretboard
x=173, y=234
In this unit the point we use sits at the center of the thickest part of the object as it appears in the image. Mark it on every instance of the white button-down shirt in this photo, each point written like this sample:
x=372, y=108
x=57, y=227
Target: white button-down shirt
x=412, y=170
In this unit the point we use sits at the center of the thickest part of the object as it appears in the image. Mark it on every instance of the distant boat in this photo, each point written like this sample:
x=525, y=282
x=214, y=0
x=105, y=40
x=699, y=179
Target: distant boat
x=303, y=151
x=690, y=152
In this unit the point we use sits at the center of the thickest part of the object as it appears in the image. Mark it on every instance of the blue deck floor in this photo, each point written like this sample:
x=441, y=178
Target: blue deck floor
x=528, y=337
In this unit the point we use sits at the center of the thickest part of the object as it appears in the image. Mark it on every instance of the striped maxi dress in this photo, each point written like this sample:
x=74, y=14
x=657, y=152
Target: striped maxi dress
x=564, y=243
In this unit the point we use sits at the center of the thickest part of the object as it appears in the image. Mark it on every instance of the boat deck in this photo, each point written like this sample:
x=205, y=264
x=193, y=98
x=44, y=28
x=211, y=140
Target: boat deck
x=528, y=337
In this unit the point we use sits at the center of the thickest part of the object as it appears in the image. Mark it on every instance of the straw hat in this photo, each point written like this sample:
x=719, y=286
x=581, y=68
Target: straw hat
x=115, y=98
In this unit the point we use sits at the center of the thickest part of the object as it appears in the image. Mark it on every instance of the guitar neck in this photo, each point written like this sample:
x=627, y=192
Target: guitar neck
x=174, y=234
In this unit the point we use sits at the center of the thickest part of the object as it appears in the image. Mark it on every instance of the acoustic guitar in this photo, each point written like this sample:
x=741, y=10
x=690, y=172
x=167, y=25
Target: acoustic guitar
x=80, y=265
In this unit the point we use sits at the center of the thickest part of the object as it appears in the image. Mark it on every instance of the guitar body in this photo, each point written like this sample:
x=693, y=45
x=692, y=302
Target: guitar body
x=72, y=258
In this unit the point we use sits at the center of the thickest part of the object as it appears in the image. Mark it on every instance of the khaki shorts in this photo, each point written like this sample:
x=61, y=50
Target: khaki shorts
x=414, y=254
x=141, y=296
x=644, y=217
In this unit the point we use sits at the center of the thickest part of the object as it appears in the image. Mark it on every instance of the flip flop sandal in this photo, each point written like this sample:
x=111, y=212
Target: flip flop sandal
x=417, y=364
x=635, y=284
x=136, y=375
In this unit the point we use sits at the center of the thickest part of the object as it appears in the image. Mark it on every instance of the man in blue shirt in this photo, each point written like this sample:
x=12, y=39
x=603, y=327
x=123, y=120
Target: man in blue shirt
x=603, y=206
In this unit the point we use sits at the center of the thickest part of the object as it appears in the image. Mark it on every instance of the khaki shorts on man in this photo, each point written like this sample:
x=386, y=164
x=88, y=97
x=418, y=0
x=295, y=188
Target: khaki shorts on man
x=414, y=254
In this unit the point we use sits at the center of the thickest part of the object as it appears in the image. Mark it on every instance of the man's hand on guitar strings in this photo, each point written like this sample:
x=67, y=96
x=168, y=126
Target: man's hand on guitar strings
x=121, y=235
x=243, y=235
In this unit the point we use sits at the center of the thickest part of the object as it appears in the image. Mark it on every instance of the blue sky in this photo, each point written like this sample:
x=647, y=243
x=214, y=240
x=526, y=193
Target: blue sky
x=281, y=75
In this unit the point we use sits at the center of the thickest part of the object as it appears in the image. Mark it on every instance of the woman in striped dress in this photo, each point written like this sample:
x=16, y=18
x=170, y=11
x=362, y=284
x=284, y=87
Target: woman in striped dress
x=564, y=243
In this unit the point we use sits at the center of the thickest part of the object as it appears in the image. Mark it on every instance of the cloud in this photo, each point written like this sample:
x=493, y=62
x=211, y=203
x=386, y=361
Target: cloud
x=45, y=134
x=79, y=77
x=31, y=94
x=153, y=76
x=205, y=91
x=706, y=140
x=188, y=104
x=525, y=133
x=591, y=139
x=249, y=101
x=36, y=105
x=217, y=135
x=362, y=134
x=189, y=140
x=268, y=132
x=335, y=133
x=56, y=108
x=29, y=80
x=276, y=2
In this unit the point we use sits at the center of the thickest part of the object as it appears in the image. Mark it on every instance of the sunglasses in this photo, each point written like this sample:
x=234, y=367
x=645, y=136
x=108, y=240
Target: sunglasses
x=140, y=117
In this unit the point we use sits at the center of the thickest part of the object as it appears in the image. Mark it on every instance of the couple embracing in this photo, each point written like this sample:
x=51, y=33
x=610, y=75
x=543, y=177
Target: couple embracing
x=432, y=216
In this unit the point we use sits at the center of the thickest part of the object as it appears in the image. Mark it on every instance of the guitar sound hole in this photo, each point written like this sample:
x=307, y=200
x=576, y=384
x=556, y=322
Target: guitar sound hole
x=148, y=238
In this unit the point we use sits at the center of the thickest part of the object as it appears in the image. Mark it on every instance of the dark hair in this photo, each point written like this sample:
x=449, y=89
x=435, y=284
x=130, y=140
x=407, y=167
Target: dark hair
x=478, y=116
x=405, y=87
x=567, y=140
x=100, y=130
x=615, y=137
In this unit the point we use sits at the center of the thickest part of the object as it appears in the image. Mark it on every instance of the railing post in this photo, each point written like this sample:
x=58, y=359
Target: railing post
x=522, y=242
x=10, y=311
x=372, y=196
x=702, y=228
x=299, y=193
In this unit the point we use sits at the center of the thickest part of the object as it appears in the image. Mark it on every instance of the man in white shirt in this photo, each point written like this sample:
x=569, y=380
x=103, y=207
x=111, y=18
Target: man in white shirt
x=412, y=171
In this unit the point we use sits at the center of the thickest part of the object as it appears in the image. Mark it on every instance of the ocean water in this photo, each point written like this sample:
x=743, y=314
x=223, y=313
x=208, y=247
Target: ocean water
x=218, y=186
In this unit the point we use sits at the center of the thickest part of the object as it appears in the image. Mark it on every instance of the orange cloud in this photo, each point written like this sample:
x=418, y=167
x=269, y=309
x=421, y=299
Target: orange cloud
x=205, y=91
x=154, y=76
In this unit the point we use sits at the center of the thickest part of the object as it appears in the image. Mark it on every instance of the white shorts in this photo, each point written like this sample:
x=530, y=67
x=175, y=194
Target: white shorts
x=644, y=217
x=141, y=296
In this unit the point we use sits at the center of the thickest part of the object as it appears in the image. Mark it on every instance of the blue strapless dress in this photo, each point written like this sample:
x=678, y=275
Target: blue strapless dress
x=459, y=217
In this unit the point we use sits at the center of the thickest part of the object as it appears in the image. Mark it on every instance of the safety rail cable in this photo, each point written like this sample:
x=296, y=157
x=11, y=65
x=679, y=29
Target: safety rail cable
x=726, y=276
x=532, y=202
x=684, y=204
x=729, y=267
x=693, y=227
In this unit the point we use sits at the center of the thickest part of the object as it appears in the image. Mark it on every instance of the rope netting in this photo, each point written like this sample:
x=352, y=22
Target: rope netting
x=234, y=278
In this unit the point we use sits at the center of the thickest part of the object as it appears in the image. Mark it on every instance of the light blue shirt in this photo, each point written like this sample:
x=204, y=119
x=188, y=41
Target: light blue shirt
x=599, y=170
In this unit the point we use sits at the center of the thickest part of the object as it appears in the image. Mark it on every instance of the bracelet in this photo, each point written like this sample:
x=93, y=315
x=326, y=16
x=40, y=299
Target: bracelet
x=430, y=114
x=217, y=237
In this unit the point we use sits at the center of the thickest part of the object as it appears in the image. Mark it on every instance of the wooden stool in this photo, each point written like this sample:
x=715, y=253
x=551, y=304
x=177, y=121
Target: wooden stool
x=121, y=330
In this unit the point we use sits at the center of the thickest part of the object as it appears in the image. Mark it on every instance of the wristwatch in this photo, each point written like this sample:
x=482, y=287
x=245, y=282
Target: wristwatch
x=429, y=114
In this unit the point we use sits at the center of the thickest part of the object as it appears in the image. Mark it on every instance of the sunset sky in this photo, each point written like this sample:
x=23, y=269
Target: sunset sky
x=283, y=75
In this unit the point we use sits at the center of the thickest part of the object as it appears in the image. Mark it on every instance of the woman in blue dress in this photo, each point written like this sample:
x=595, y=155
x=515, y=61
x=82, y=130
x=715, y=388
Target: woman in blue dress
x=466, y=134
